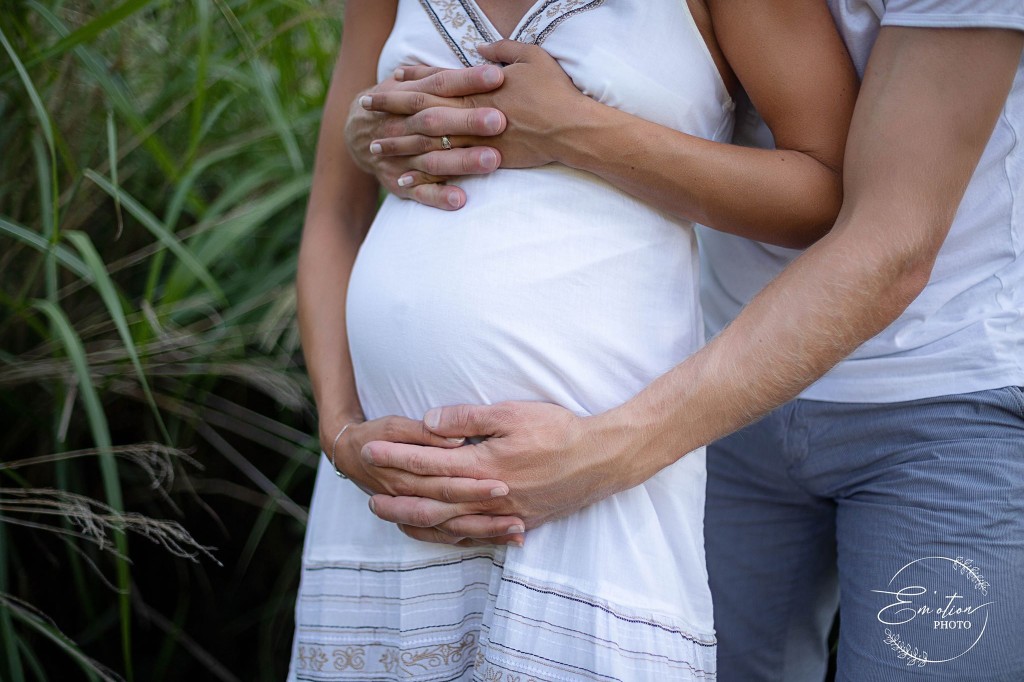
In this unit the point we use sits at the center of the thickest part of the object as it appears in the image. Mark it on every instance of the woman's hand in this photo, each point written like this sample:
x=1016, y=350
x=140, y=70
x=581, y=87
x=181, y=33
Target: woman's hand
x=538, y=99
x=350, y=458
x=419, y=172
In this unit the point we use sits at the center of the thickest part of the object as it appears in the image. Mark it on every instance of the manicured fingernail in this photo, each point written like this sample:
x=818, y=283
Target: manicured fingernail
x=404, y=180
x=500, y=491
x=457, y=441
x=370, y=502
x=375, y=148
x=399, y=74
x=514, y=543
x=365, y=101
x=515, y=530
x=432, y=418
x=453, y=200
x=492, y=121
x=491, y=75
x=488, y=159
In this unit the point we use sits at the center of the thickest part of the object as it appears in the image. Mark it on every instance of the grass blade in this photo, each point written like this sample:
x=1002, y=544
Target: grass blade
x=105, y=287
x=108, y=464
x=278, y=119
x=33, y=239
x=37, y=103
x=150, y=222
x=202, y=67
x=44, y=626
x=112, y=159
x=47, y=185
x=10, y=637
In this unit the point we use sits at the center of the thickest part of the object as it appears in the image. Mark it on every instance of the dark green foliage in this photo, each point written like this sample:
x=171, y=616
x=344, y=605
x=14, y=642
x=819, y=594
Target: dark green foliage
x=155, y=157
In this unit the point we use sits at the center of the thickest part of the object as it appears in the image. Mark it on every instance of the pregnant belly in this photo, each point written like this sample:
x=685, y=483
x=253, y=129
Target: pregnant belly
x=564, y=290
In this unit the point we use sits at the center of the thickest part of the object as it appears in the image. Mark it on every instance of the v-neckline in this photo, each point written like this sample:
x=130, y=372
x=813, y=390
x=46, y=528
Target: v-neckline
x=463, y=25
x=520, y=25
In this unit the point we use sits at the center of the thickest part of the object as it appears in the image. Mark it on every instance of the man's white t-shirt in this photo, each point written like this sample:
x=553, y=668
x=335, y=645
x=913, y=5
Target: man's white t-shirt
x=965, y=332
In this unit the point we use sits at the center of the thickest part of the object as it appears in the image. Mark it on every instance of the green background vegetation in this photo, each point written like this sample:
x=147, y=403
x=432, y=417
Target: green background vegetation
x=155, y=457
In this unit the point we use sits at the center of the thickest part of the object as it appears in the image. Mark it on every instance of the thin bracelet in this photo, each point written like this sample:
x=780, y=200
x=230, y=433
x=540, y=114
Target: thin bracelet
x=334, y=447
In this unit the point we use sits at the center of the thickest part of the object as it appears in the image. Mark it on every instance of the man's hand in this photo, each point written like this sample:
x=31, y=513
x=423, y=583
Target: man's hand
x=537, y=97
x=554, y=462
x=419, y=172
x=400, y=142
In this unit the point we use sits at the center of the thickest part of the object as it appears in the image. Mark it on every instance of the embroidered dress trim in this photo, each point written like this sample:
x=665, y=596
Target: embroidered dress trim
x=463, y=27
x=547, y=18
x=451, y=19
x=318, y=661
x=465, y=615
x=481, y=25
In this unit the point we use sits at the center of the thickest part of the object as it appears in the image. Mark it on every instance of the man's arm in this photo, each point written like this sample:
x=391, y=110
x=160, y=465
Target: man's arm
x=790, y=60
x=927, y=107
x=928, y=104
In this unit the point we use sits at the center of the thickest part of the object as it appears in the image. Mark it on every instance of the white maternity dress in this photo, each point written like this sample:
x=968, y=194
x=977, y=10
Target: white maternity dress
x=549, y=285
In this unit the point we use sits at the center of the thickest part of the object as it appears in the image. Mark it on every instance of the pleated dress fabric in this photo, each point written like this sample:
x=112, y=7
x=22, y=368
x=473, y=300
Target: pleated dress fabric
x=549, y=285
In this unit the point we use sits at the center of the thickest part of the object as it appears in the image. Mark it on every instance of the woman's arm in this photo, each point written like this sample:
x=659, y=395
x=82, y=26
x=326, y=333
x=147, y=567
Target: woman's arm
x=789, y=57
x=341, y=207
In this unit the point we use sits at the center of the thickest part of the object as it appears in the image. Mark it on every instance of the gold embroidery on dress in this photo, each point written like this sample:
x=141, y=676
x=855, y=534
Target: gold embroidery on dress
x=389, y=659
x=444, y=654
x=489, y=673
x=556, y=12
x=350, y=657
x=392, y=658
x=311, y=658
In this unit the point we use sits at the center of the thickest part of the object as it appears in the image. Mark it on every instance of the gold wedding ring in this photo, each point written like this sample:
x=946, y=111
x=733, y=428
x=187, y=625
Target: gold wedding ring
x=446, y=143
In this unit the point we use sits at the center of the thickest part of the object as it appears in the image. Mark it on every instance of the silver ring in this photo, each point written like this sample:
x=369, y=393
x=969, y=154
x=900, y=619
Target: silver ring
x=446, y=142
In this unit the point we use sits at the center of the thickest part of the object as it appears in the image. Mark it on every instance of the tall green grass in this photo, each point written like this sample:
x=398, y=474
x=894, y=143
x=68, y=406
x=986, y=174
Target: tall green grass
x=154, y=161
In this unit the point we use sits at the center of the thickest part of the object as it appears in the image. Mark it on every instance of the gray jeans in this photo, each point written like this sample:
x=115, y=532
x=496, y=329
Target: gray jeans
x=908, y=516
